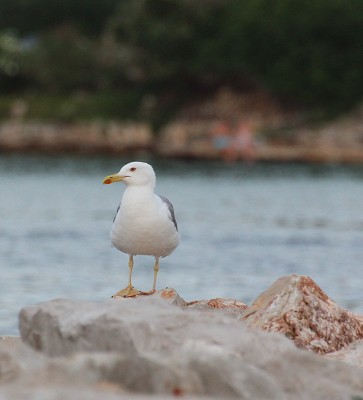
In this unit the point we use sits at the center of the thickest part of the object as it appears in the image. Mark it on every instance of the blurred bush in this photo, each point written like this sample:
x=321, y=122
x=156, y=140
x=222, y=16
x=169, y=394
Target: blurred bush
x=305, y=52
x=10, y=54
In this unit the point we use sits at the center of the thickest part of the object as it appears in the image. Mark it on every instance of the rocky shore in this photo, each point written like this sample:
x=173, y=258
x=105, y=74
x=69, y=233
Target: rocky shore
x=275, y=135
x=293, y=342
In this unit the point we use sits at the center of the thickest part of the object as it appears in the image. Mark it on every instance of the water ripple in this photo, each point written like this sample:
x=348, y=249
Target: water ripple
x=242, y=227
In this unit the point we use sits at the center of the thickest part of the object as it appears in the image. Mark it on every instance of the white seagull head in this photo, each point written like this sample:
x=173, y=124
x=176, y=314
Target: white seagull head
x=136, y=173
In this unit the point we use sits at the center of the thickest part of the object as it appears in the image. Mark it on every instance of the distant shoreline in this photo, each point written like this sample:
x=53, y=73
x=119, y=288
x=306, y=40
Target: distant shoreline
x=338, y=142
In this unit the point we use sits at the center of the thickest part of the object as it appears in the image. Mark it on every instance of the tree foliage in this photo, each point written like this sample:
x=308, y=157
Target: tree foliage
x=304, y=50
x=308, y=52
x=37, y=16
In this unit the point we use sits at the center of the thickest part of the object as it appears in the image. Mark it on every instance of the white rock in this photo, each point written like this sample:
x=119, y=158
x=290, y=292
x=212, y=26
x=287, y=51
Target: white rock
x=57, y=329
x=162, y=349
x=27, y=374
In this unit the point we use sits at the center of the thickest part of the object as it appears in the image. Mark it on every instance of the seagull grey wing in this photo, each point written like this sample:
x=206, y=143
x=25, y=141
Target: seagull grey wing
x=116, y=212
x=171, y=210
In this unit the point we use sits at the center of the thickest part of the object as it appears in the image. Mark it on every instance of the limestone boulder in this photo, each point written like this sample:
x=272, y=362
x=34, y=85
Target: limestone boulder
x=28, y=391
x=170, y=295
x=297, y=307
x=150, y=346
x=9, y=341
x=15, y=360
x=26, y=373
x=230, y=306
x=56, y=329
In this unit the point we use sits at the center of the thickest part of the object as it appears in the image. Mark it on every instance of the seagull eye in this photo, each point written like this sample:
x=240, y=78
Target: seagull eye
x=133, y=169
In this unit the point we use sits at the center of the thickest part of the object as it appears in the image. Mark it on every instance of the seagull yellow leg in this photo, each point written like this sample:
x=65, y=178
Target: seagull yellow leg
x=129, y=290
x=156, y=270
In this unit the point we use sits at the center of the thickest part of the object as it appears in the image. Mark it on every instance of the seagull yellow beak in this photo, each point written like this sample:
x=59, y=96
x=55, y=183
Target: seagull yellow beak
x=113, y=178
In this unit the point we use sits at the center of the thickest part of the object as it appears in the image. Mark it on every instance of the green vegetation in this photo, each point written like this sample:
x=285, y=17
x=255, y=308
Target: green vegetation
x=77, y=107
x=142, y=58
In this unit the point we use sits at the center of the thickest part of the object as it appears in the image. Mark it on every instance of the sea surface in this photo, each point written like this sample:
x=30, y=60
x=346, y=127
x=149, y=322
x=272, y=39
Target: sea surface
x=242, y=227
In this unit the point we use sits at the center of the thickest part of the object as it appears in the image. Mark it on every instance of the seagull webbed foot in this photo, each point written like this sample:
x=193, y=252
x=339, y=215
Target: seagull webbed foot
x=129, y=291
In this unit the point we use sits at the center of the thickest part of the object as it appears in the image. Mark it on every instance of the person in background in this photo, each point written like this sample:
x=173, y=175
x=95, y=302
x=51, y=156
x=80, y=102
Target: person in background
x=244, y=142
x=222, y=140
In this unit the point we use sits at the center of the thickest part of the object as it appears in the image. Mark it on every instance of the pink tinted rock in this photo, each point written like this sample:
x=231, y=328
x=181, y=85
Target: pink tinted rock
x=297, y=307
x=218, y=303
x=171, y=296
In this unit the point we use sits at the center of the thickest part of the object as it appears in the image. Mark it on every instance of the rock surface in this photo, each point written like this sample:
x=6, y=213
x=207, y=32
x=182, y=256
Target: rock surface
x=298, y=308
x=146, y=345
x=27, y=374
x=82, y=137
x=218, y=304
x=352, y=354
x=170, y=295
x=9, y=341
x=56, y=329
x=162, y=346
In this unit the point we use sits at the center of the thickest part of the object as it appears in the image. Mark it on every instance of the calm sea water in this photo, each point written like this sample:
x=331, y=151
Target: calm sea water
x=242, y=227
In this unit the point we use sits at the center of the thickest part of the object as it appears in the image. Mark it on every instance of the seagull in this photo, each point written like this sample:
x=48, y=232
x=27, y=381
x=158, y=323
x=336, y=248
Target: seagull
x=144, y=223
